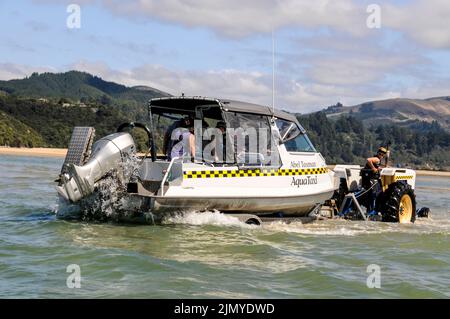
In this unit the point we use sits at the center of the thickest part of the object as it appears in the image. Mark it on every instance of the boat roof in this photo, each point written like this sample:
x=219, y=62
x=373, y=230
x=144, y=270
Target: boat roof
x=185, y=103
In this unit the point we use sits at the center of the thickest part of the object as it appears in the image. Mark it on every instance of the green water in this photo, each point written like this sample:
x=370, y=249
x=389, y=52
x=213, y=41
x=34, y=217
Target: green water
x=211, y=255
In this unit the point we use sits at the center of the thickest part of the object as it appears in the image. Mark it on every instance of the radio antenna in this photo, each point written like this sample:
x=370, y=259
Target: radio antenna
x=273, y=72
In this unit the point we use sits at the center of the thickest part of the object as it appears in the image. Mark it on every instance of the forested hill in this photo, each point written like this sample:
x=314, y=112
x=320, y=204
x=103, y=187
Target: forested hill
x=82, y=88
x=50, y=123
x=346, y=140
x=401, y=111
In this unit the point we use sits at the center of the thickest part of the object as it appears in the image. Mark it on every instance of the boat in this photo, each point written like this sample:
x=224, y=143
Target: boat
x=267, y=165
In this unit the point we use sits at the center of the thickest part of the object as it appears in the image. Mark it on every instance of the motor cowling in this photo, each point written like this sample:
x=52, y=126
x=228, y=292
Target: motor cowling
x=107, y=155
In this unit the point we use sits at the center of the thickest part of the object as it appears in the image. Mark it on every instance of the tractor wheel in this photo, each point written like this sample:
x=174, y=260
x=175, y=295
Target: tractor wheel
x=399, y=204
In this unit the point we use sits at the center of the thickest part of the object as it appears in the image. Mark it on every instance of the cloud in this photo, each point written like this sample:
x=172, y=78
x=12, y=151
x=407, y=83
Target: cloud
x=216, y=83
x=355, y=70
x=426, y=22
x=238, y=18
x=9, y=71
x=291, y=94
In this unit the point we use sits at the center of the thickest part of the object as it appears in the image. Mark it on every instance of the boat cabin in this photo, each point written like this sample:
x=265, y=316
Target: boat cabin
x=226, y=132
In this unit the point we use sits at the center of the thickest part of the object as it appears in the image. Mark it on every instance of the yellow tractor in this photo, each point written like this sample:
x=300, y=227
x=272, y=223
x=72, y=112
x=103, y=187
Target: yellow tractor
x=391, y=192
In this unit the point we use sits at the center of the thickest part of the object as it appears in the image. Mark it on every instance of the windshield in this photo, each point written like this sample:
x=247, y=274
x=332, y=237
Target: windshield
x=293, y=138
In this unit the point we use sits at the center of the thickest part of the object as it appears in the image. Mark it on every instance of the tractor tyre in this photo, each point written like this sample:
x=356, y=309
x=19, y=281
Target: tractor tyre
x=398, y=204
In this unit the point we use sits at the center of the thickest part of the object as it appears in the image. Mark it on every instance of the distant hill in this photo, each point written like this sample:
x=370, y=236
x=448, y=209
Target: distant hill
x=346, y=140
x=75, y=86
x=403, y=112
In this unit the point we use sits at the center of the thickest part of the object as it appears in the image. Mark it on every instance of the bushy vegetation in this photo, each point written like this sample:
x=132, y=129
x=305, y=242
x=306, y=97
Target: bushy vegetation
x=50, y=124
x=55, y=123
x=14, y=133
x=348, y=140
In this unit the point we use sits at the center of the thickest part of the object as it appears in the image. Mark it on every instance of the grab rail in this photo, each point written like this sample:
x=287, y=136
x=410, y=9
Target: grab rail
x=169, y=168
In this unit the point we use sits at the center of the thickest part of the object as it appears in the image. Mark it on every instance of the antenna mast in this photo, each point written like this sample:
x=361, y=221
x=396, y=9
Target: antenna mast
x=273, y=72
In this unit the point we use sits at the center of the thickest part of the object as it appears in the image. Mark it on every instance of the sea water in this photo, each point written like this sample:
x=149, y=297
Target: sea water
x=211, y=255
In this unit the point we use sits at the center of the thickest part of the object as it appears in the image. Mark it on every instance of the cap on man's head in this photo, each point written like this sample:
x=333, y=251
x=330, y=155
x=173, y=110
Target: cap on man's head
x=382, y=150
x=221, y=124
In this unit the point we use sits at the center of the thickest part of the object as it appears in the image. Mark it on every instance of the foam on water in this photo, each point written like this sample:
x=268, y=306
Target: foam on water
x=339, y=227
x=205, y=218
x=354, y=228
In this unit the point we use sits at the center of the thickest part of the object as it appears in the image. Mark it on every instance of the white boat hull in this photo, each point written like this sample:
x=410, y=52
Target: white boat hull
x=287, y=205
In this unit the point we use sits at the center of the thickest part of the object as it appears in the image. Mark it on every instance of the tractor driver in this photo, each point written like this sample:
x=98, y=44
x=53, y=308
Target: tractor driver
x=374, y=163
x=370, y=177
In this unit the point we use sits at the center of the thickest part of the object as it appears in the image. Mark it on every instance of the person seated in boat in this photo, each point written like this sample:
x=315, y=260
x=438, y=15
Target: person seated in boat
x=168, y=142
x=371, y=178
x=183, y=140
x=220, y=150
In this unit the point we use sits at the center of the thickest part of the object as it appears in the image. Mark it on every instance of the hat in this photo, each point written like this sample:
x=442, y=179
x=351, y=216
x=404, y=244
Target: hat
x=382, y=150
x=221, y=124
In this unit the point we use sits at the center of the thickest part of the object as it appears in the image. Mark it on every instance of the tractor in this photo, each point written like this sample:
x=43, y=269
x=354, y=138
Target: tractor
x=388, y=195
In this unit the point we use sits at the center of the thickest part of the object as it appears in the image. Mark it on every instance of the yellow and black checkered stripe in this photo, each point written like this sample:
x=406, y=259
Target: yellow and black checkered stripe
x=399, y=178
x=254, y=172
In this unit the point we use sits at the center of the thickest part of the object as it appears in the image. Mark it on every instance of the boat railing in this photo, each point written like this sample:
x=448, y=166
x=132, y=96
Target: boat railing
x=167, y=174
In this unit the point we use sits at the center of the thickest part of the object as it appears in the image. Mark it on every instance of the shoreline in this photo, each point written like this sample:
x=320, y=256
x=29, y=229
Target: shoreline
x=35, y=151
x=61, y=153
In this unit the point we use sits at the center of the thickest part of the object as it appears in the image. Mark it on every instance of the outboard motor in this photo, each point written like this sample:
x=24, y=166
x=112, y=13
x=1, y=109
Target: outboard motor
x=77, y=182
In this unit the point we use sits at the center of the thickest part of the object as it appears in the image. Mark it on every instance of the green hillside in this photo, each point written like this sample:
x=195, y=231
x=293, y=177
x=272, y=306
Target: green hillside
x=16, y=134
x=55, y=123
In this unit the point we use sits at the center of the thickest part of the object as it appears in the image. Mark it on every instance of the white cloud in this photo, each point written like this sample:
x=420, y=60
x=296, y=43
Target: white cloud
x=9, y=71
x=354, y=69
x=242, y=18
x=426, y=21
x=291, y=94
x=217, y=83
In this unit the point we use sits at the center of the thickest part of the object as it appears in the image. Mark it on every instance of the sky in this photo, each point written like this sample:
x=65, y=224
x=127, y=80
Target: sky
x=326, y=51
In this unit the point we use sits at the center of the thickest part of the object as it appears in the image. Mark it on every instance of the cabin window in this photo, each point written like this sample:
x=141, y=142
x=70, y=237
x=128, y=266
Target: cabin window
x=294, y=138
x=250, y=138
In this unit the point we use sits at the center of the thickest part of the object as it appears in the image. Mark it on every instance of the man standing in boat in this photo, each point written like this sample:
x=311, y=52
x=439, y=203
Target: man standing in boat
x=183, y=140
x=168, y=143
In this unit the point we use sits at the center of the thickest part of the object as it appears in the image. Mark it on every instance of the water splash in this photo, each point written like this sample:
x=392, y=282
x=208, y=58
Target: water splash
x=196, y=218
x=109, y=199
